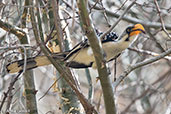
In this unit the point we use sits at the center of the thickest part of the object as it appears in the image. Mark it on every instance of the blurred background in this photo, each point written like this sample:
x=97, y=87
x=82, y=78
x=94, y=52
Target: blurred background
x=146, y=90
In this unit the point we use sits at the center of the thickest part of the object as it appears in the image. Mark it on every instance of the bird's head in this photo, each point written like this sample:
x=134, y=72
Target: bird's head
x=135, y=30
x=131, y=33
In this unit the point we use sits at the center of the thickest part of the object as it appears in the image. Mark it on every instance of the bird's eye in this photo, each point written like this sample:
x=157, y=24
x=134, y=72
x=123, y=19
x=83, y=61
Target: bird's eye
x=128, y=30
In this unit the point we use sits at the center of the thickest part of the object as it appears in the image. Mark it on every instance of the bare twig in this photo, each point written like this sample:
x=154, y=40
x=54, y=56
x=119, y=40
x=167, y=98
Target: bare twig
x=135, y=20
x=10, y=88
x=49, y=37
x=15, y=47
x=141, y=64
x=91, y=89
x=67, y=4
x=9, y=98
x=73, y=15
x=92, y=7
x=146, y=91
x=104, y=13
x=152, y=36
x=148, y=52
x=121, y=6
x=60, y=35
x=99, y=101
x=133, y=101
x=118, y=20
x=49, y=88
x=25, y=59
x=161, y=19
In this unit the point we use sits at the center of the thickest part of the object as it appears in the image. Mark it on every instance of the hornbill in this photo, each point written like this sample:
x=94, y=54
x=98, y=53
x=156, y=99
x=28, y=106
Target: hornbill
x=81, y=56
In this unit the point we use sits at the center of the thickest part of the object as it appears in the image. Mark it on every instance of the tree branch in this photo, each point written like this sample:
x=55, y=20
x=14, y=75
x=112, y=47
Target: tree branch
x=146, y=91
x=118, y=20
x=135, y=20
x=61, y=69
x=100, y=62
x=63, y=84
x=58, y=25
x=14, y=30
x=161, y=19
x=138, y=65
x=148, y=53
x=10, y=88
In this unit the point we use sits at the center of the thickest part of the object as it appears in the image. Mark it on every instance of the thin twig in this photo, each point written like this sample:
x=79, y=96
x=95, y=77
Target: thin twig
x=10, y=88
x=9, y=99
x=121, y=6
x=152, y=36
x=96, y=2
x=15, y=47
x=148, y=52
x=133, y=101
x=161, y=19
x=135, y=20
x=25, y=59
x=141, y=64
x=91, y=89
x=49, y=88
x=99, y=101
x=145, y=92
x=49, y=37
x=118, y=20
x=104, y=13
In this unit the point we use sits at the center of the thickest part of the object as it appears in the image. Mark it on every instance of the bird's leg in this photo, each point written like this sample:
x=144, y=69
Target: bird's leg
x=115, y=69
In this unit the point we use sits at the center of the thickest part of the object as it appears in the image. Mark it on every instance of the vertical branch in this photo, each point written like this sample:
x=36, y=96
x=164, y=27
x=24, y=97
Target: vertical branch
x=57, y=64
x=29, y=87
x=58, y=25
x=67, y=92
x=90, y=92
x=30, y=92
x=29, y=83
x=39, y=21
x=100, y=62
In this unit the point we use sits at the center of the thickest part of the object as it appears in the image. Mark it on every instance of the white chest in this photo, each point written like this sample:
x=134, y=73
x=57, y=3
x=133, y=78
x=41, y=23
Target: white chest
x=112, y=49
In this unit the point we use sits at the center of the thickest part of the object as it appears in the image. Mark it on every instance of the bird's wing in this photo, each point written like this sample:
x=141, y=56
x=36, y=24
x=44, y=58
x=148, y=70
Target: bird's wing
x=83, y=44
x=112, y=36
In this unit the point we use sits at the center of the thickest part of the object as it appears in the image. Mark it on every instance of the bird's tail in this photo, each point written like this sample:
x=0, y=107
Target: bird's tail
x=31, y=63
